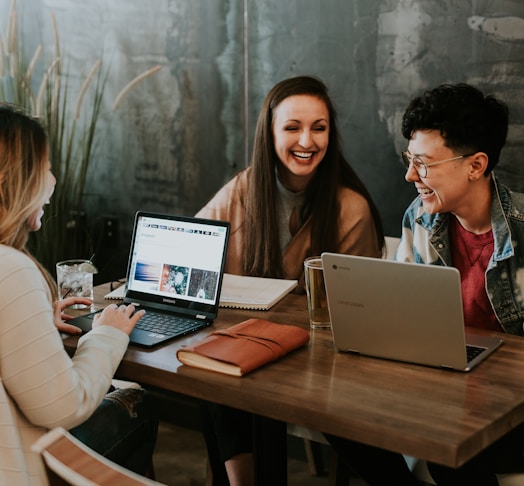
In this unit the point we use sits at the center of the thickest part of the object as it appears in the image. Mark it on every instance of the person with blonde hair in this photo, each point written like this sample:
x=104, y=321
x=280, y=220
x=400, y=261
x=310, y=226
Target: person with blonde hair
x=41, y=387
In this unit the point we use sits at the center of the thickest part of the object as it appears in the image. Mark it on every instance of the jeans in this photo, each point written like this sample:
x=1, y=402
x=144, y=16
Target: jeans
x=122, y=429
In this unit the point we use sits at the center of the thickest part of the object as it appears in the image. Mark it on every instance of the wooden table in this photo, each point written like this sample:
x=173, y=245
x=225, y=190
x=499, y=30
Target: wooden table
x=441, y=416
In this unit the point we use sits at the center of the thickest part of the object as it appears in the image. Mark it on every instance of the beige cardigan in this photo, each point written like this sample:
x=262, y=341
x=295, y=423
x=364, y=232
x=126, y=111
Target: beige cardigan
x=40, y=386
x=357, y=234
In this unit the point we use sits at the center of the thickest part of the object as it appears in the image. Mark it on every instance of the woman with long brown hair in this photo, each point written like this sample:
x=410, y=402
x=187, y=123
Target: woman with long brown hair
x=298, y=198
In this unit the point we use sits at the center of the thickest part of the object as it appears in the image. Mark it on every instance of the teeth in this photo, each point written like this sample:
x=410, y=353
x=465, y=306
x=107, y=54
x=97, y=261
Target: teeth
x=303, y=155
x=425, y=191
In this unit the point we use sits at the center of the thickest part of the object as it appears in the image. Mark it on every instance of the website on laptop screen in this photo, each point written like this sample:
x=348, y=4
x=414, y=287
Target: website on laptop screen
x=178, y=259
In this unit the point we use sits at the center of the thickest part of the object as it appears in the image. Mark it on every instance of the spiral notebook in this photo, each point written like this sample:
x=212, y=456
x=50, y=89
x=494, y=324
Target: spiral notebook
x=255, y=293
x=241, y=292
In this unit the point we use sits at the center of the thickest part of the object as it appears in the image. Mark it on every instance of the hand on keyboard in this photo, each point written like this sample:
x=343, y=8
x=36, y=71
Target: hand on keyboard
x=122, y=317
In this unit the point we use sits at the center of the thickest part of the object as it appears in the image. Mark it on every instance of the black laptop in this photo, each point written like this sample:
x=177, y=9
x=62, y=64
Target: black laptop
x=175, y=271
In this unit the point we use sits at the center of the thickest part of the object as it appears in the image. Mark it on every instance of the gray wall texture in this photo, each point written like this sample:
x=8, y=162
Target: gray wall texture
x=185, y=131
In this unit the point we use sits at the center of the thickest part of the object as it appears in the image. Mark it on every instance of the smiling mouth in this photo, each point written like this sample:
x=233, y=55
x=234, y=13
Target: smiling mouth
x=425, y=192
x=303, y=155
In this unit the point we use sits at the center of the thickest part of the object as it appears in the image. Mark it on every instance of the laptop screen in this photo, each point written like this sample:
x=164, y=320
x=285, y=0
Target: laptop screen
x=177, y=263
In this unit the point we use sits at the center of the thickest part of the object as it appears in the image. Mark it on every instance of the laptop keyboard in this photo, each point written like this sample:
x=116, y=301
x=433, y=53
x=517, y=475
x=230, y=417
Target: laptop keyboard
x=168, y=325
x=473, y=351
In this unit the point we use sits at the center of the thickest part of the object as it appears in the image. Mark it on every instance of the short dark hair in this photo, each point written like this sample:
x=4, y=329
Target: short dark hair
x=468, y=120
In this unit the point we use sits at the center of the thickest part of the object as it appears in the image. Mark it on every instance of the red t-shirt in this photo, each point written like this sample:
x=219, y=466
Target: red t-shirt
x=471, y=254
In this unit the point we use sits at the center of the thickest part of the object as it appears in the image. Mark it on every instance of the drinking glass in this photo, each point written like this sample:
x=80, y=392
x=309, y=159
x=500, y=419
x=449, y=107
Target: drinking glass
x=75, y=279
x=316, y=293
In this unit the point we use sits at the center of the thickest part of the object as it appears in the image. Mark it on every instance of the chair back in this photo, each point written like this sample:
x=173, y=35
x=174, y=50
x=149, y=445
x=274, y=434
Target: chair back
x=70, y=462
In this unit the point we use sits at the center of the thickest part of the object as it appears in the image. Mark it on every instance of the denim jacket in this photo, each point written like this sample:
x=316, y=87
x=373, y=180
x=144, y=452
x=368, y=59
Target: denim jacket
x=425, y=239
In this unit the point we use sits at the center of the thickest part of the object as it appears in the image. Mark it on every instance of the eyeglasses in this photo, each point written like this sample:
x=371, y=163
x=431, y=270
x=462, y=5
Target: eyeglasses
x=421, y=167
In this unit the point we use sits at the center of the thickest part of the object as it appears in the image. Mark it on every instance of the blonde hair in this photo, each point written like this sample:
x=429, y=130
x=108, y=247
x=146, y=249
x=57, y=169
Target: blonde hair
x=23, y=173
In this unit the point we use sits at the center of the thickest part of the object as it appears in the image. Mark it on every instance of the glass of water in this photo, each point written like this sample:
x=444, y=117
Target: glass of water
x=75, y=279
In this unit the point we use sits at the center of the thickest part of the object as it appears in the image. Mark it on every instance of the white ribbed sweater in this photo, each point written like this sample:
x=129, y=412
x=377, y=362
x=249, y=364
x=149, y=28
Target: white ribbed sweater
x=41, y=387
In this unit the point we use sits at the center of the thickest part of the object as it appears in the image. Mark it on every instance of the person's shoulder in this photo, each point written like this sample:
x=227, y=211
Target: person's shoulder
x=237, y=182
x=226, y=198
x=516, y=201
x=350, y=199
x=241, y=177
x=17, y=265
x=11, y=257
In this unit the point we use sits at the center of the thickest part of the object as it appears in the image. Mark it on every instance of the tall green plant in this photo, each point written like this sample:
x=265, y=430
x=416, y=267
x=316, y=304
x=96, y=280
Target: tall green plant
x=67, y=230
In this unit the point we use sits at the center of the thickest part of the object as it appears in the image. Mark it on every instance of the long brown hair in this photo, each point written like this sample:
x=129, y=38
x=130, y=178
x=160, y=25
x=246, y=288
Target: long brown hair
x=23, y=172
x=262, y=255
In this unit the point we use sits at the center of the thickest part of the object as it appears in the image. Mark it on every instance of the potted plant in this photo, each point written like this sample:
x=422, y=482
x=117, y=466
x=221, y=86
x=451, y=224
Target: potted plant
x=71, y=124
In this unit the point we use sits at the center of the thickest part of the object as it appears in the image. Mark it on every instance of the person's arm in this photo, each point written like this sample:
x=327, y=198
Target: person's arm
x=224, y=204
x=357, y=229
x=228, y=205
x=50, y=388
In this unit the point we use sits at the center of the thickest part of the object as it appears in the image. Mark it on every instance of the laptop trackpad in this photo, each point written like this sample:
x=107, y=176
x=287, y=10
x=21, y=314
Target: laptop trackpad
x=84, y=322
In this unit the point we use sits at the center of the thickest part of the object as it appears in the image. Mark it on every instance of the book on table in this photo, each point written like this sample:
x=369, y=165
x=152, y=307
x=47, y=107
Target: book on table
x=242, y=292
x=243, y=347
x=254, y=293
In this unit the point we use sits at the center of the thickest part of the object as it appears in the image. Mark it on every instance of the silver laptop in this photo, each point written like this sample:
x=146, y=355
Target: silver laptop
x=401, y=311
x=175, y=272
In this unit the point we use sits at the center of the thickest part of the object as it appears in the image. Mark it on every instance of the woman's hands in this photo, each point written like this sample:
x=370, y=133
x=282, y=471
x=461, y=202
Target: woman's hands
x=60, y=317
x=122, y=317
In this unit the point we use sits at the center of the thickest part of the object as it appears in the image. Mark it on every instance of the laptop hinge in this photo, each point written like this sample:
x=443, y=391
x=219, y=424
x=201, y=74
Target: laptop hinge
x=200, y=316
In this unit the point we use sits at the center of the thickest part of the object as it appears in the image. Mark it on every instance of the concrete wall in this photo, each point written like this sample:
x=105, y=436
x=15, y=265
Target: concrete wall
x=180, y=135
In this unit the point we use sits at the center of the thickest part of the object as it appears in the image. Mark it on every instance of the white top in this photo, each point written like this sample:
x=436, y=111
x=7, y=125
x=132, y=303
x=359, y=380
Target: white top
x=41, y=387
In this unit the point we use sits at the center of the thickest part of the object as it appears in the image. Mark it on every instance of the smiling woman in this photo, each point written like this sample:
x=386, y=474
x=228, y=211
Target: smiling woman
x=298, y=198
x=301, y=137
x=41, y=387
x=297, y=168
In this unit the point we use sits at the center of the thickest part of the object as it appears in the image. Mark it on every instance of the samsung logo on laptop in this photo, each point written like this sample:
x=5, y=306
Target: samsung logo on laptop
x=169, y=301
x=350, y=303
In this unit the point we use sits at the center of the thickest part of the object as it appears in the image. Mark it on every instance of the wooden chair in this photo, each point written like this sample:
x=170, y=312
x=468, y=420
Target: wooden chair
x=392, y=243
x=69, y=462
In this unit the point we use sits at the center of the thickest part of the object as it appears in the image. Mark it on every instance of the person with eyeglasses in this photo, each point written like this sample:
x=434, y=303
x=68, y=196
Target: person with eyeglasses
x=462, y=217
